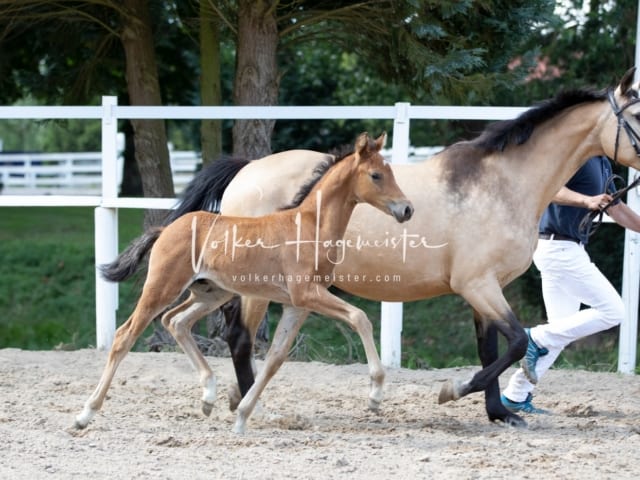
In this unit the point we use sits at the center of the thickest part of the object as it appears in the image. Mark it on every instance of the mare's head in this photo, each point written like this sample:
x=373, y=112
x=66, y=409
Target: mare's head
x=374, y=182
x=620, y=134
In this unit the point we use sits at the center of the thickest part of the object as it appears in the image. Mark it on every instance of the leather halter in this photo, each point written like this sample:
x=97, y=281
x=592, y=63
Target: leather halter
x=634, y=137
x=589, y=224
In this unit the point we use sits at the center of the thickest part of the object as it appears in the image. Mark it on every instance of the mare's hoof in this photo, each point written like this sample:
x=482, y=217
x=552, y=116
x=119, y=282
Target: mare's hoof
x=206, y=408
x=514, y=420
x=234, y=398
x=450, y=391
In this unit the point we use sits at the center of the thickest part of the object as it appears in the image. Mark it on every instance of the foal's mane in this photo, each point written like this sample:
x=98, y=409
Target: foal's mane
x=497, y=136
x=338, y=154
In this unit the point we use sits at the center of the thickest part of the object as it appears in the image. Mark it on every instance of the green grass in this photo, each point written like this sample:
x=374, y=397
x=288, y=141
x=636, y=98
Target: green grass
x=47, y=280
x=47, y=295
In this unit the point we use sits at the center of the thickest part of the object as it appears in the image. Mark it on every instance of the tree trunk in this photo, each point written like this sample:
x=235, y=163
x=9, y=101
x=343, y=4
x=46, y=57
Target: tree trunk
x=152, y=153
x=210, y=84
x=131, y=183
x=256, y=81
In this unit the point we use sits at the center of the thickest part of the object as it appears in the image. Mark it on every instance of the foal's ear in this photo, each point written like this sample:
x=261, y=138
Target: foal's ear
x=627, y=81
x=362, y=142
x=381, y=141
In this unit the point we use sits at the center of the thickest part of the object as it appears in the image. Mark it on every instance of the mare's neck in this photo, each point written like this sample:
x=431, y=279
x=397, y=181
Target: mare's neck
x=559, y=148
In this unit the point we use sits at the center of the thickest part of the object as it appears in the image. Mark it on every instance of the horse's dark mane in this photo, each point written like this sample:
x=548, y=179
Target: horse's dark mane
x=497, y=136
x=318, y=172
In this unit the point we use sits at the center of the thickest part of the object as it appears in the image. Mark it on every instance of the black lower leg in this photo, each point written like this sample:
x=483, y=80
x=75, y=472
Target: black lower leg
x=240, y=345
x=487, y=337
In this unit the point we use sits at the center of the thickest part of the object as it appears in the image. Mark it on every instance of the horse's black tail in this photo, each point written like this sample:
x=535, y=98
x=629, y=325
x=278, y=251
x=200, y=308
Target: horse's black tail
x=129, y=260
x=205, y=190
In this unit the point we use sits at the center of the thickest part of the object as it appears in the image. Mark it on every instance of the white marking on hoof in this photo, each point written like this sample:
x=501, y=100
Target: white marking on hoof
x=240, y=426
x=210, y=391
x=375, y=395
x=83, y=419
x=375, y=398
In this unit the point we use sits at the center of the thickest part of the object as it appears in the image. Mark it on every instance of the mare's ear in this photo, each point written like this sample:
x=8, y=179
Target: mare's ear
x=381, y=141
x=626, y=82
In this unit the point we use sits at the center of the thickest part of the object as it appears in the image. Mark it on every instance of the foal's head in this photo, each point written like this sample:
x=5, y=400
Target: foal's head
x=374, y=182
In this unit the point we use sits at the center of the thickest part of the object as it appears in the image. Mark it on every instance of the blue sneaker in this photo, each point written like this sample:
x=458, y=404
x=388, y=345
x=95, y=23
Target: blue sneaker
x=530, y=359
x=524, y=407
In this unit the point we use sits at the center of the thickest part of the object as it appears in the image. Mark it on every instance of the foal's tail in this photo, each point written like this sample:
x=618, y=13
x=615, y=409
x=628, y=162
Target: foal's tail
x=205, y=190
x=129, y=260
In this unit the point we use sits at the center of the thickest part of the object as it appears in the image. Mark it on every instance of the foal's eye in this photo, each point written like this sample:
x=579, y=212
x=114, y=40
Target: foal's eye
x=376, y=176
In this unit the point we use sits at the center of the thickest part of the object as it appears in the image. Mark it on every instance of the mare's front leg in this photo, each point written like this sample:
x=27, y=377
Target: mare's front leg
x=243, y=317
x=286, y=331
x=487, y=338
x=491, y=314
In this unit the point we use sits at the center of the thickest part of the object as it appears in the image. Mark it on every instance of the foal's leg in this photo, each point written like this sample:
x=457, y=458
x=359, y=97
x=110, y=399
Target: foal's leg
x=318, y=299
x=204, y=298
x=243, y=322
x=286, y=331
x=153, y=301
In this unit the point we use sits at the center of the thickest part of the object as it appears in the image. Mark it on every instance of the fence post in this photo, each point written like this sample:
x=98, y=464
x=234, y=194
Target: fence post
x=630, y=284
x=391, y=312
x=106, y=228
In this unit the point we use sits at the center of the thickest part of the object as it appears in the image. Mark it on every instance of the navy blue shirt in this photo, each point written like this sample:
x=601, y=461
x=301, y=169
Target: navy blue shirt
x=590, y=179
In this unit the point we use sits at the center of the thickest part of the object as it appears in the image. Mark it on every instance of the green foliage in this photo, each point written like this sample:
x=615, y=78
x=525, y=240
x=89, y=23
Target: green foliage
x=20, y=135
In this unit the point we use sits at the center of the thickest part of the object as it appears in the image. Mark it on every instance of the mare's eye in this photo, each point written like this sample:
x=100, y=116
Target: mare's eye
x=376, y=176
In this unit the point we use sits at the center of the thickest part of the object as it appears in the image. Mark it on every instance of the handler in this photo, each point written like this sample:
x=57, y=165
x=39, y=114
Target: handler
x=569, y=279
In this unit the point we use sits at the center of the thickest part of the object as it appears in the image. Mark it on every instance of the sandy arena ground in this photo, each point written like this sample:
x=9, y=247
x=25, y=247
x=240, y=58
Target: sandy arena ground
x=313, y=424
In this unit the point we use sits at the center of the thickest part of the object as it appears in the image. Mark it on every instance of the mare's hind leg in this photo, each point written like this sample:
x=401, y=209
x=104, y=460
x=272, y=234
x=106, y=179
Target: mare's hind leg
x=150, y=305
x=286, y=331
x=205, y=297
x=487, y=338
x=493, y=314
x=243, y=317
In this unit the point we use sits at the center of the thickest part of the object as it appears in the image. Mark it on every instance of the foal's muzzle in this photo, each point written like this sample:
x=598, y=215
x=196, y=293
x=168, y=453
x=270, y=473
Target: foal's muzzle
x=401, y=211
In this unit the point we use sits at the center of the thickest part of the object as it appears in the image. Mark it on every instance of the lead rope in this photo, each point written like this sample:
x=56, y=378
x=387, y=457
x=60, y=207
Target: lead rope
x=593, y=219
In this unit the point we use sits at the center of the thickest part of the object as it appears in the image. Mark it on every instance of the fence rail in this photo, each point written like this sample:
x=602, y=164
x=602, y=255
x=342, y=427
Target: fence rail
x=108, y=202
x=74, y=173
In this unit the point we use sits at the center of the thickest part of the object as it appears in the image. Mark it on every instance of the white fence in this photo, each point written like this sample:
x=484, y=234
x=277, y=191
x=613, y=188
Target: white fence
x=108, y=202
x=80, y=173
x=75, y=173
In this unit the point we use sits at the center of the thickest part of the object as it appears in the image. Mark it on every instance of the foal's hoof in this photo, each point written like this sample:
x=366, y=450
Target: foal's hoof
x=450, y=391
x=374, y=404
x=206, y=408
x=78, y=425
